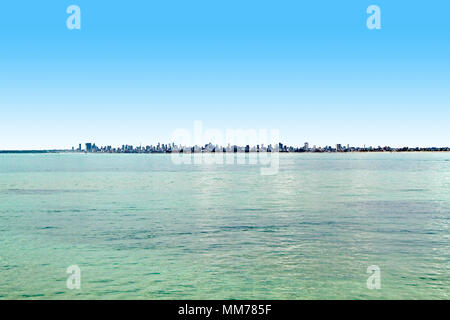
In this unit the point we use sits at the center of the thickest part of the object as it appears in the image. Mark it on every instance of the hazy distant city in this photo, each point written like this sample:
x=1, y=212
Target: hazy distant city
x=280, y=147
x=211, y=148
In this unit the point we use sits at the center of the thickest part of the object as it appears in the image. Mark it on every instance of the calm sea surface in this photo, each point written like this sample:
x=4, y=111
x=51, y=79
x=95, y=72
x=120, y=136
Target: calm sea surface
x=140, y=226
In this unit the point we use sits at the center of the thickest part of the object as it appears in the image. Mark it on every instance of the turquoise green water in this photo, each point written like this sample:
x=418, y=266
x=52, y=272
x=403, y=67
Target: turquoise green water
x=142, y=227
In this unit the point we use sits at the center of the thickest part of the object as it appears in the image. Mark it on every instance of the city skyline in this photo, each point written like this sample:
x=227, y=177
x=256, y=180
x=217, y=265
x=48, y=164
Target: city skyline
x=91, y=147
x=314, y=71
x=234, y=148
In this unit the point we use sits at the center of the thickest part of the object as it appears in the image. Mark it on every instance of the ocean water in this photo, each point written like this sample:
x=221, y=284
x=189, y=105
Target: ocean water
x=143, y=227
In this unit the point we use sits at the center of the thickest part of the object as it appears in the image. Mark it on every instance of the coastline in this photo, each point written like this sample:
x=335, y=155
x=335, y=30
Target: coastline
x=207, y=152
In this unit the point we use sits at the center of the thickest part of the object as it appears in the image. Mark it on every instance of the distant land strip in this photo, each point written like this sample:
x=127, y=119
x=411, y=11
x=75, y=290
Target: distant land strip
x=234, y=149
x=33, y=151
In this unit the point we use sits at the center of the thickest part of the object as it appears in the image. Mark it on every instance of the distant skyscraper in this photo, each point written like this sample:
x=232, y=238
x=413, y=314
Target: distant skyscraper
x=88, y=147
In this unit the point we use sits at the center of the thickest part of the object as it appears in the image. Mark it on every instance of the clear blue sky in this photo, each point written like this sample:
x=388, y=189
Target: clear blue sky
x=138, y=70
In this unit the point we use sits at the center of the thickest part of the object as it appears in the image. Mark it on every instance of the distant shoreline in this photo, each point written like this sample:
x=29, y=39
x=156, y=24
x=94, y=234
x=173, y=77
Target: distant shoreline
x=209, y=152
x=34, y=151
